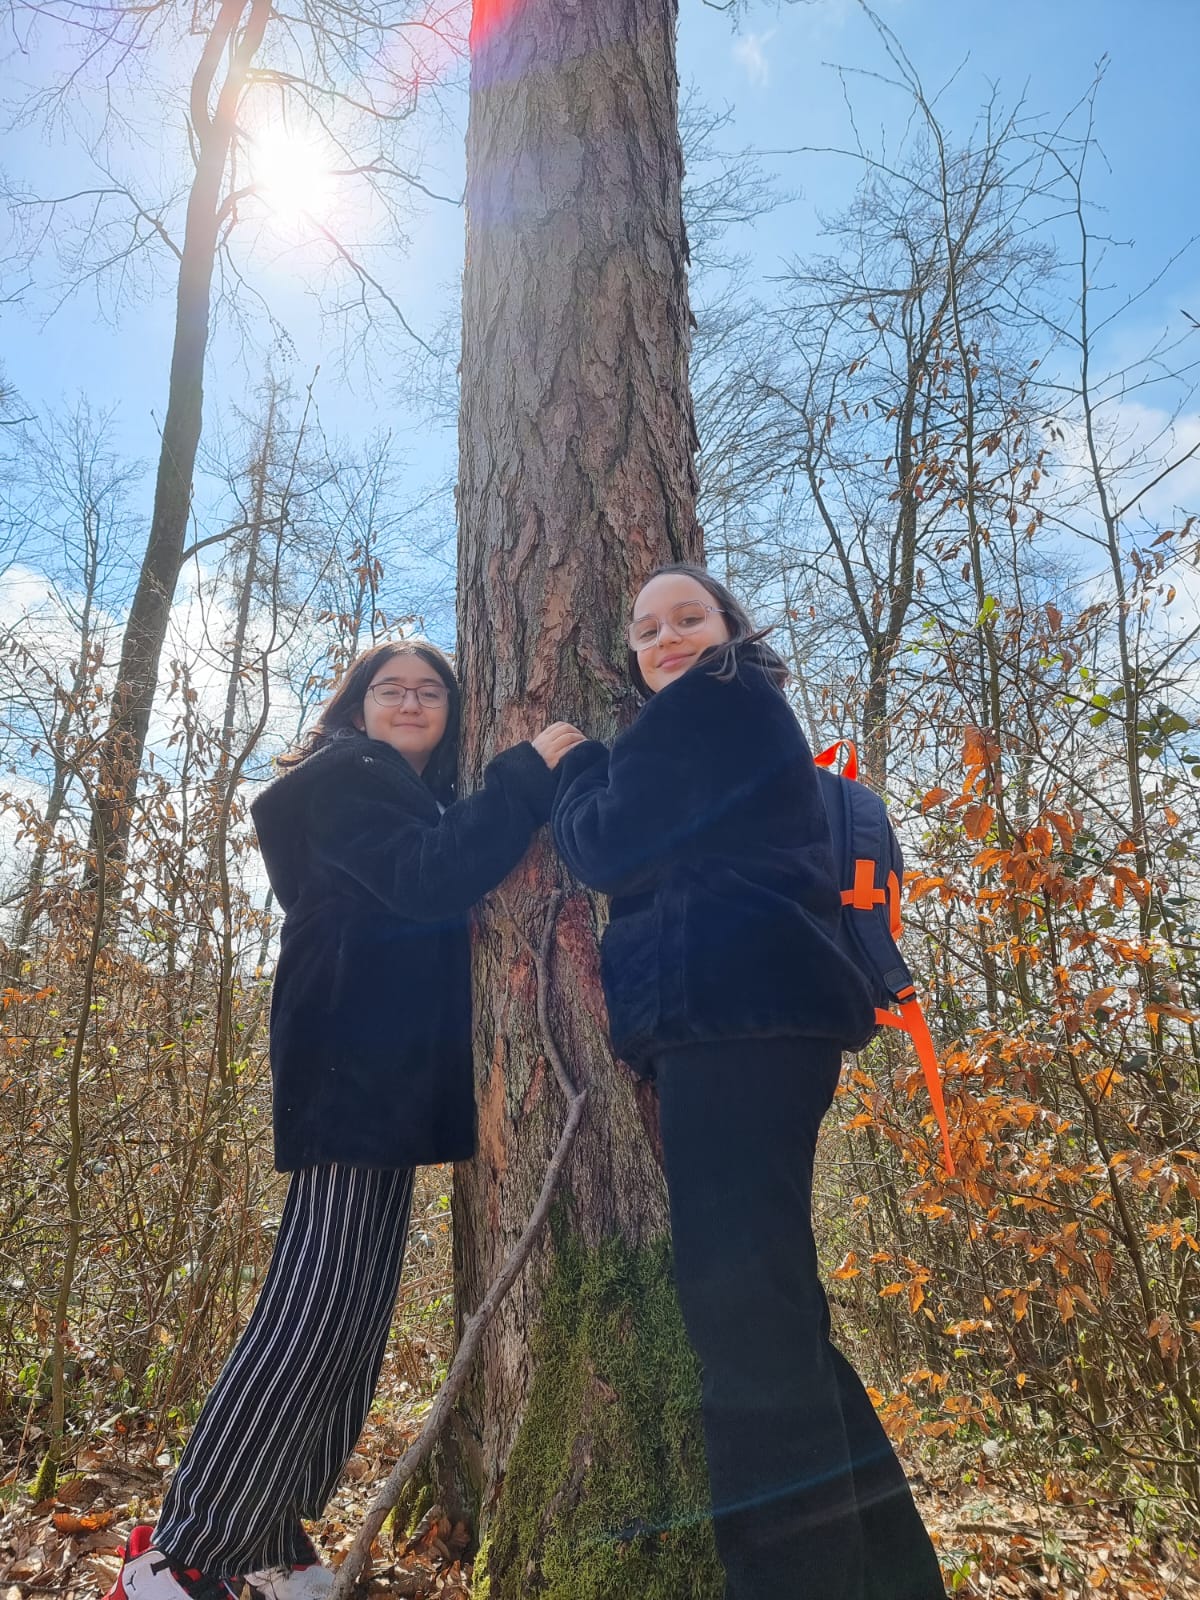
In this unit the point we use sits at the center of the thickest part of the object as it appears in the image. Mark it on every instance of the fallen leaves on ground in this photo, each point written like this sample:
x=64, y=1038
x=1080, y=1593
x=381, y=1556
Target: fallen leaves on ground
x=1001, y=1533
x=1008, y=1534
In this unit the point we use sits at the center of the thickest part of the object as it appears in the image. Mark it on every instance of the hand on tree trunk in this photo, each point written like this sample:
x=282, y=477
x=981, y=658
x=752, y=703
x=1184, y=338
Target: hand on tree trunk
x=555, y=740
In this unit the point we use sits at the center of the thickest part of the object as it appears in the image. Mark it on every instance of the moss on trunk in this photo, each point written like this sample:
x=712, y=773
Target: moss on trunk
x=606, y=1490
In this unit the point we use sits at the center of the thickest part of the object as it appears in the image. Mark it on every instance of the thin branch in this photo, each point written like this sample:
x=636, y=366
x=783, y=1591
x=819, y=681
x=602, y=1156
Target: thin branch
x=1154, y=482
x=365, y=277
x=476, y=1326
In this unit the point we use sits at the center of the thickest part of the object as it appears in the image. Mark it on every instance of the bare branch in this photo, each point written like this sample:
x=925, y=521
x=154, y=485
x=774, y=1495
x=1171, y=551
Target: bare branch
x=477, y=1324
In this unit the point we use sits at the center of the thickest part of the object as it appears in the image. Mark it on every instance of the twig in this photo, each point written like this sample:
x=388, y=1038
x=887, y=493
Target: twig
x=541, y=962
x=476, y=1326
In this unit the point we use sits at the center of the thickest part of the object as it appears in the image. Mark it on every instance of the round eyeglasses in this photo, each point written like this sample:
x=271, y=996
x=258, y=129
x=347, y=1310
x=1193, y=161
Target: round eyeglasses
x=428, y=695
x=686, y=617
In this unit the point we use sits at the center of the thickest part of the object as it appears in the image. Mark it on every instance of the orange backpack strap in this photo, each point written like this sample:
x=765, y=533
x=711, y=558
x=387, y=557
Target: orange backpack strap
x=864, y=896
x=912, y=1021
x=893, y=899
x=828, y=757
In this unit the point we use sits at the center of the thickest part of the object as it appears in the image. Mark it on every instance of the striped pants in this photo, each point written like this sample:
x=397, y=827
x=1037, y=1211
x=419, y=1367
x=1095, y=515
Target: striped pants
x=291, y=1401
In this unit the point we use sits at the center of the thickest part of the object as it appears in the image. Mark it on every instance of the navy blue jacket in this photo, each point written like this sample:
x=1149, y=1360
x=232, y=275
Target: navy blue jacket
x=371, y=1009
x=705, y=825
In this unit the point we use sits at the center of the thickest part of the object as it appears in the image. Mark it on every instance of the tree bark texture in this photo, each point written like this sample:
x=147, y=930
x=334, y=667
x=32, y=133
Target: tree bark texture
x=576, y=479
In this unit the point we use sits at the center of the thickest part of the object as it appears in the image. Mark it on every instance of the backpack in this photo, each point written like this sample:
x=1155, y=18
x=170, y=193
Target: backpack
x=870, y=867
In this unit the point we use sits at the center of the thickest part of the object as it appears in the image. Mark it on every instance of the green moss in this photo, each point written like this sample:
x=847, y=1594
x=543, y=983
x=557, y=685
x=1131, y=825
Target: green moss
x=44, y=1484
x=418, y=1496
x=481, y=1581
x=606, y=1492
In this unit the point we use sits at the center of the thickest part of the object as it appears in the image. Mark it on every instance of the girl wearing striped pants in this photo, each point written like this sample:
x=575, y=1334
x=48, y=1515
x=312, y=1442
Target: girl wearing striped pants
x=377, y=866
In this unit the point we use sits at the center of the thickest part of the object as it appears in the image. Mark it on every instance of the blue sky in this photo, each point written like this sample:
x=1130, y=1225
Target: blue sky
x=773, y=69
x=777, y=72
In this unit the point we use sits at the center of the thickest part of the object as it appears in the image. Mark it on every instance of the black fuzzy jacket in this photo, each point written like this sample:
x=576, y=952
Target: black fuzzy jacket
x=371, y=1010
x=705, y=825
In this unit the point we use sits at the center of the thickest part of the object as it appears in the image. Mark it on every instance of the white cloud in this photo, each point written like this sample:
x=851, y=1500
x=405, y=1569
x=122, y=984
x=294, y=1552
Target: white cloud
x=1152, y=441
x=749, y=53
x=16, y=852
x=1150, y=459
x=32, y=613
x=25, y=593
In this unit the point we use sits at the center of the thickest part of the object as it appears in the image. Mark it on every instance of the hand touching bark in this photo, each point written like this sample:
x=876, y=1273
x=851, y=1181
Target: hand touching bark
x=554, y=741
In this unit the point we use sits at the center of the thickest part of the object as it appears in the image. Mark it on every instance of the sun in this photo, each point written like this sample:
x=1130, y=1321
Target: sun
x=292, y=172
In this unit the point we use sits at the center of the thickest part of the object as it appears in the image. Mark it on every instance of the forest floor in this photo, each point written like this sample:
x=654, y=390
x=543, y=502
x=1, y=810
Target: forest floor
x=1003, y=1531
x=1011, y=1519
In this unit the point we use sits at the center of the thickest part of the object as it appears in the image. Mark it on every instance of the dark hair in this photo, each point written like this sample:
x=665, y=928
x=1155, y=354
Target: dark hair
x=721, y=659
x=337, y=716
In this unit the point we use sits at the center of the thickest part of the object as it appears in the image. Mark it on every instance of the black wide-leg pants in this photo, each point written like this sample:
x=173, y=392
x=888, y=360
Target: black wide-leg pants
x=809, y=1500
x=284, y=1415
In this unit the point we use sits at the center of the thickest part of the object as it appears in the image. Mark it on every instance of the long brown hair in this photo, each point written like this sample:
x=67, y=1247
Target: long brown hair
x=337, y=716
x=721, y=658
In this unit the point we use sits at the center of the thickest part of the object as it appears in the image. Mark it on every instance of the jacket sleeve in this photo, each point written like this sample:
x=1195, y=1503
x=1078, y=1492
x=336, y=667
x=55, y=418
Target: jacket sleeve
x=425, y=870
x=696, y=750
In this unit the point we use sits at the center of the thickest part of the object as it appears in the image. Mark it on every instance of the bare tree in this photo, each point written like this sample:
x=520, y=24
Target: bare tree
x=317, y=74
x=935, y=258
x=64, y=500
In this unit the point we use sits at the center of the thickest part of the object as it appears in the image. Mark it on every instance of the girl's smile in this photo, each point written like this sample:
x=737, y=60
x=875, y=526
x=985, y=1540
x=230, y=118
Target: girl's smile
x=407, y=707
x=674, y=622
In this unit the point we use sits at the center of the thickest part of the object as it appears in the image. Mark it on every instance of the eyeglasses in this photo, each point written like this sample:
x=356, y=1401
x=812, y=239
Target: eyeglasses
x=428, y=695
x=686, y=617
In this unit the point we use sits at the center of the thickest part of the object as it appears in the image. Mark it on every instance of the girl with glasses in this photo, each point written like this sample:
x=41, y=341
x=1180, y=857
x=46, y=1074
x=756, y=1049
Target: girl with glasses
x=705, y=826
x=377, y=864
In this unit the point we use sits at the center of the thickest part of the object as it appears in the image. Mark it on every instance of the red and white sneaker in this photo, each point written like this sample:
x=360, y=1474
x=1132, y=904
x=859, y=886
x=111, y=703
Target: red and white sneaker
x=308, y=1581
x=147, y=1574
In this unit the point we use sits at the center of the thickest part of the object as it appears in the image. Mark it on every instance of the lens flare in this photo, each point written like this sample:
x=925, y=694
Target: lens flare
x=292, y=173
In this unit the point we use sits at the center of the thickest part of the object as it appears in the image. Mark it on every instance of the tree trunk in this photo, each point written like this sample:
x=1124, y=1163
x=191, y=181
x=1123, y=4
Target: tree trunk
x=120, y=756
x=576, y=479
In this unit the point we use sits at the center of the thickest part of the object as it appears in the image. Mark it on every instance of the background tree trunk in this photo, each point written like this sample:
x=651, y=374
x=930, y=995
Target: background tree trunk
x=150, y=611
x=576, y=479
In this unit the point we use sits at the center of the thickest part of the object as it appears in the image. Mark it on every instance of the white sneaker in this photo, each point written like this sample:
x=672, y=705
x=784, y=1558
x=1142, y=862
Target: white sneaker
x=309, y=1582
x=148, y=1574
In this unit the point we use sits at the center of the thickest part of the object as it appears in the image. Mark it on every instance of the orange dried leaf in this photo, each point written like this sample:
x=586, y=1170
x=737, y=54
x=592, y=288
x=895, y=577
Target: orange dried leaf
x=1097, y=999
x=72, y=1522
x=848, y=1268
x=990, y=858
x=921, y=886
x=1062, y=825
x=977, y=819
x=1104, y=1264
x=975, y=752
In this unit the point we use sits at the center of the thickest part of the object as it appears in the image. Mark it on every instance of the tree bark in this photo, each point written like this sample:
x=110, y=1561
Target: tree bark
x=576, y=480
